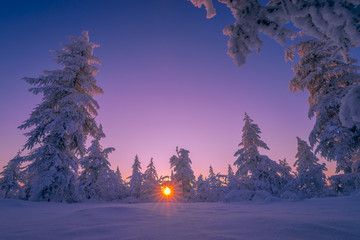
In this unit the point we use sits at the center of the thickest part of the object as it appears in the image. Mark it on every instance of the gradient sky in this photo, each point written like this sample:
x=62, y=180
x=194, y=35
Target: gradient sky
x=166, y=76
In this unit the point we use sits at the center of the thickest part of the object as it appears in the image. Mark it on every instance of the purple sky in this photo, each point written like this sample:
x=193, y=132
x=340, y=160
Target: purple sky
x=166, y=76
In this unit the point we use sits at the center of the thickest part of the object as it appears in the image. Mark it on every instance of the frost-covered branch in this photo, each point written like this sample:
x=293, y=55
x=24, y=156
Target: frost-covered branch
x=336, y=20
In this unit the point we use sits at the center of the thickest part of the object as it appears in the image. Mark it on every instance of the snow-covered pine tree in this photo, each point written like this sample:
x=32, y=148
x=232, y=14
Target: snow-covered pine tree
x=202, y=189
x=310, y=179
x=336, y=20
x=257, y=171
x=231, y=180
x=151, y=184
x=212, y=174
x=183, y=174
x=136, y=180
x=97, y=181
x=287, y=183
x=230, y=172
x=216, y=191
x=61, y=123
x=286, y=169
x=11, y=177
x=118, y=175
x=123, y=187
x=248, y=154
x=322, y=72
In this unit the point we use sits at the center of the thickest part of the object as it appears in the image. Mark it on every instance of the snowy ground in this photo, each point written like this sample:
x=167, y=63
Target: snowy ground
x=328, y=218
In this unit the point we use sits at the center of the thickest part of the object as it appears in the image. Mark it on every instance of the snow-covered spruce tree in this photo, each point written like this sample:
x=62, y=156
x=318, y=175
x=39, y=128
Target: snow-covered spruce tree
x=10, y=179
x=123, y=186
x=322, y=72
x=202, y=190
x=118, y=175
x=62, y=121
x=97, y=181
x=287, y=177
x=216, y=190
x=336, y=20
x=230, y=172
x=151, y=181
x=136, y=180
x=310, y=179
x=285, y=168
x=231, y=181
x=258, y=171
x=183, y=174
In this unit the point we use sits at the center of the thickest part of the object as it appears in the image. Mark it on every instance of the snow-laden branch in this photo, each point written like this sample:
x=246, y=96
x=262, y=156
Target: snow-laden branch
x=336, y=20
x=210, y=10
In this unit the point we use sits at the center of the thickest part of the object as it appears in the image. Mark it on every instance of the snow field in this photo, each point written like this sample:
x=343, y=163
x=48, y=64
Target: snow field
x=326, y=218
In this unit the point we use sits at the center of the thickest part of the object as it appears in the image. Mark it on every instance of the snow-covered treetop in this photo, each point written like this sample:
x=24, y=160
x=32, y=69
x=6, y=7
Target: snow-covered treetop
x=181, y=160
x=250, y=138
x=67, y=109
x=211, y=172
x=11, y=170
x=336, y=20
x=285, y=165
x=97, y=156
x=305, y=157
x=118, y=174
x=248, y=153
x=150, y=173
x=136, y=166
x=230, y=171
x=181, y=164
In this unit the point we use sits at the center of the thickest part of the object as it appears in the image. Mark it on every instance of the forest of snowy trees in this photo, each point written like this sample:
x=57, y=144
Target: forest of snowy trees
x=58, y=166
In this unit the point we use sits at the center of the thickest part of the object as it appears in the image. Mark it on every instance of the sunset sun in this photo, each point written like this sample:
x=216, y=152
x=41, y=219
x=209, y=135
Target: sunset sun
x=167, y=191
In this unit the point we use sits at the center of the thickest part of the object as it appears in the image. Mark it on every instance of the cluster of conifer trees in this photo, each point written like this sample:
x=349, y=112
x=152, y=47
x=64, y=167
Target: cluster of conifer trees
x=60, y=167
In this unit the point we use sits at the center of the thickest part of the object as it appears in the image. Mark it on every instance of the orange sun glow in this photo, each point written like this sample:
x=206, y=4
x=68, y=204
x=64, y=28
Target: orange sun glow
x=167, y=191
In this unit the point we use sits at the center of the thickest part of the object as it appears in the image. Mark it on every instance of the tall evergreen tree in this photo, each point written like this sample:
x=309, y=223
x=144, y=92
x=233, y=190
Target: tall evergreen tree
x=322, y=72
x=310, y=179
x=231, y=180
x=151, y=181
x=211, y=172
x=258, y=171
x=123, y=186
x=118, y=175
x=183, y=174
x=215, y=186
x=248, y=155
x=287, y=183
x=97, y=180
x=230, y=172
x=11, y=177
x=61, y=123
x=136, y=179
x=150, y=172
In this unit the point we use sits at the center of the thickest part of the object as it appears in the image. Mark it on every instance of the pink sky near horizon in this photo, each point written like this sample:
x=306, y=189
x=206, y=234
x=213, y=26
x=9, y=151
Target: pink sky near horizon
x=168, y=82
